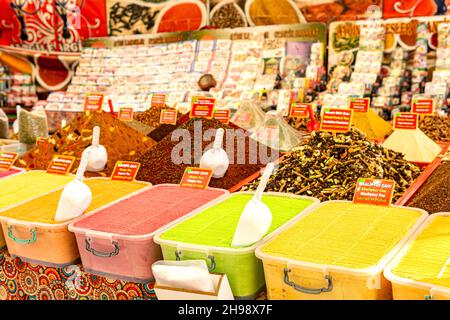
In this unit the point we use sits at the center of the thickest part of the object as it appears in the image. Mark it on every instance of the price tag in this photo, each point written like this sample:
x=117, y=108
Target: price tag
x=299, y=110
x=374, y=191
x=196, y=178
x=125, y=170
x=405, y=120
x=222, y=115
x=360, y=104
x=168, y=116
x=423, y=106
x=61, y=164
x=126, y=114
x=40, y=141
x=94, y=102
x=202, y=107
x=7, y=160
x=336, y=120
x=158, y=100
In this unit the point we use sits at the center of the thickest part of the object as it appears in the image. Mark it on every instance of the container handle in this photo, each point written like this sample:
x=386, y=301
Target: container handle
x=211, y=267
x=102, y=254
x=22, y=241
x=308, y=290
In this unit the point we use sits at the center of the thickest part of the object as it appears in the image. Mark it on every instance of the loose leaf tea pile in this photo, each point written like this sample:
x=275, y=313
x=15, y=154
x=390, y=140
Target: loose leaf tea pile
x=327, y=166
x=120, y=141
x=157, y=165
x=436, y=127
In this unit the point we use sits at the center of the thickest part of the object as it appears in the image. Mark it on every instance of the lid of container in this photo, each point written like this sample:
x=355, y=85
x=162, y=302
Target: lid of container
x=147, y=211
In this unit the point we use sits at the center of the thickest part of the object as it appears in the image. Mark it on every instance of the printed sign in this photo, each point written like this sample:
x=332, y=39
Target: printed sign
x=360, y=104
x=336, y=120
x=196, y=178
x=222, y=115
x=299, y=110
x=374, y=191
x=125, y=170
x=202, y=107
x=405, y=120
x=423, y=106
x=7, y=159
x=93, y=102
x=61, y=164
x=168, y=116
x=158, y=100
x=126, y=114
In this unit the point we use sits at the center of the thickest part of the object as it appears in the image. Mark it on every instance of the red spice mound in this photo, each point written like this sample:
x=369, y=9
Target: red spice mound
x=120, y=141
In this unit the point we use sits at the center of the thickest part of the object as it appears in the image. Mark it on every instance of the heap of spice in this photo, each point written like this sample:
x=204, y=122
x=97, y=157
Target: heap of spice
x=151, y=118
x=228, y=15
x=267, y=12
x=436, y=127
x=434, y=195
x=161, y=164
x=120, y=141
x=371, y=124
x=328, y=165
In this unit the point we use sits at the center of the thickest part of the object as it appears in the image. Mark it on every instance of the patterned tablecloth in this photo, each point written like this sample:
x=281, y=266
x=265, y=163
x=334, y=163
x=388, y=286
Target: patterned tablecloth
x=25, y=281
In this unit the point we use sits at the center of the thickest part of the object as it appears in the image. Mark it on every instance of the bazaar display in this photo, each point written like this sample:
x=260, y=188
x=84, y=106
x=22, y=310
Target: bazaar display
x=224, y=150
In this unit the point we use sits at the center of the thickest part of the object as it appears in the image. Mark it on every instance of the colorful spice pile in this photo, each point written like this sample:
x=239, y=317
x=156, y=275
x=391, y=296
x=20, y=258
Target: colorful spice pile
x=157, y=165
x=434, y=195
x=228, y=15
x=267, y=12
x=120, y=141
x=436, y=127
x=371, y=124
x=151, y=118
x=327, y=166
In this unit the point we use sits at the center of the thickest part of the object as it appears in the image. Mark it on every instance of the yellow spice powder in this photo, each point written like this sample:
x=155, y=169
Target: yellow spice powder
x=267, y=12
x=372, y=125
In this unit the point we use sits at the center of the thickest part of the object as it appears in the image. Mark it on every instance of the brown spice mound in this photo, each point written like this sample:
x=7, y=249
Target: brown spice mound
x=436, y=127
x=157, y=165
x=120, y=141
x=434, y=195
x=151, y=118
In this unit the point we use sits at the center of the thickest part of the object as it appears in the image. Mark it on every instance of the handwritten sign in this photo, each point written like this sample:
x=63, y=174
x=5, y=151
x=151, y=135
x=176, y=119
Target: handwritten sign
x=93, y=102
x=423, y=106
x=126, y=114
x=168, y=116
x=202, y=107
x=158, y=100
x=125, y=170
x=222, y=115
x=7, y=160
x=61, y=164
x=197, y=178
x=299, y=110
x=336, y=120
x=374, y=191
x=360, y=104
x=405, y=120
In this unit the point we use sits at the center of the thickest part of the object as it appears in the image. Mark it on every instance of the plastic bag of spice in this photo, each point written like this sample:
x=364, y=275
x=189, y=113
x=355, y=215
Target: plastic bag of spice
x=32, y=125
x=249, y=116
x=40, y=125
x=4, y=132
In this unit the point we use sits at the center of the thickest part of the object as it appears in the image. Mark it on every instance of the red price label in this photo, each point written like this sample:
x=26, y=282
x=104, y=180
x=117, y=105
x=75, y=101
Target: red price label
x=196, y=178
x=168, y=116
x=374, y=191
x=423, y=106
x=299, y=110
x=360, y=104
x=336, y=120
x=202, y=107
x=405, y=120
x=61, y=164
x=158, y=100
x=93, y=102
x=7, y=159
x=126, y=114
x=40, y=141
x=222, y=115
x=125, y=170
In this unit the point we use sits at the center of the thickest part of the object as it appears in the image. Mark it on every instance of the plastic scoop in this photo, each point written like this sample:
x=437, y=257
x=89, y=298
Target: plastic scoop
x=216, y=158
x=256, y=218
x=76, y=196
x=98, y=155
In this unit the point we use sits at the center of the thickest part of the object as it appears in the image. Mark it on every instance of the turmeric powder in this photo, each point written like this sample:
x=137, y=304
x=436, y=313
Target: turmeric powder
x=267, y=12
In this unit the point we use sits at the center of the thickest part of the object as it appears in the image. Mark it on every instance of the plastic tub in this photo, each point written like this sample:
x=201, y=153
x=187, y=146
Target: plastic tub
x=32, y=234
x=117, y=240
x=208, y=235
x=337, y=250
x=421, y=270
x=11, y=172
